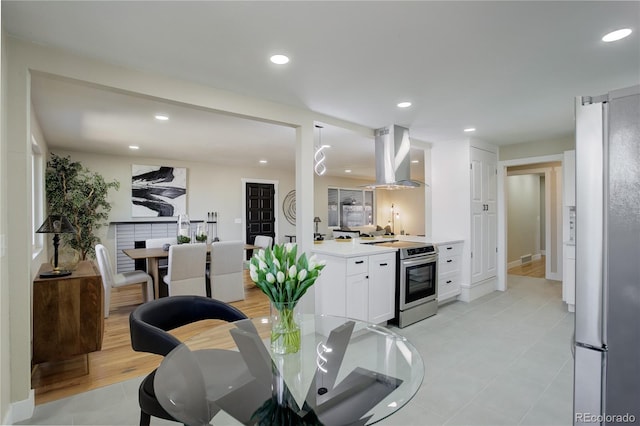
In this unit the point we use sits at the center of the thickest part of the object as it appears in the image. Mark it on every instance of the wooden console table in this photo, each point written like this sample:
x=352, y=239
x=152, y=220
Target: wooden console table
x=68, y=314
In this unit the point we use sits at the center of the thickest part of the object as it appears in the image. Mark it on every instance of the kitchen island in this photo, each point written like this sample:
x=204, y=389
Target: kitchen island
x=360, y=278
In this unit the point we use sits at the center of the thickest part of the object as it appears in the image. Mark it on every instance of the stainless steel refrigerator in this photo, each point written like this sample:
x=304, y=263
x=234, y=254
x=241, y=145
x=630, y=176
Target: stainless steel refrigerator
x=607, y=329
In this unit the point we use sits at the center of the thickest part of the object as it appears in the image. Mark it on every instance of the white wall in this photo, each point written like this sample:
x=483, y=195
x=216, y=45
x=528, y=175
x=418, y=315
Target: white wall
x=451, y=197
x=209, y=188
x=5, y=364
x=536, y=149
x=409, y=203
x=523, y=208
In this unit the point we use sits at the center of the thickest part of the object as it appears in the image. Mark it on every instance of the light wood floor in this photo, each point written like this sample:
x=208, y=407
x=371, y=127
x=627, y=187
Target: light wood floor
x=535, y=269
x=116, y=361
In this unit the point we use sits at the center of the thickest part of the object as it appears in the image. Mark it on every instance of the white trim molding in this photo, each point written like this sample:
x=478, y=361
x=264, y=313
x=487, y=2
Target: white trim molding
x=21, y=410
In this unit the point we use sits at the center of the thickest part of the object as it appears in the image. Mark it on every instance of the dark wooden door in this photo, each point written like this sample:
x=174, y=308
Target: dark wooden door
x=260, y=218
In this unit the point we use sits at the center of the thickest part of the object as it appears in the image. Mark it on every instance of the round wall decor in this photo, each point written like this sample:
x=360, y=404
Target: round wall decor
x=289, y=207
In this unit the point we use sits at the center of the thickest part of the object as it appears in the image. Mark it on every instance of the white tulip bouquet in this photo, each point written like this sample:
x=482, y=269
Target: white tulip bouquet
x=284, y=279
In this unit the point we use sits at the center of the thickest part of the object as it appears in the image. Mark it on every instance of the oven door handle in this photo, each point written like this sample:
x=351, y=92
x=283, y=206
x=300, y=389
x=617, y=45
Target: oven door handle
x=419, y=261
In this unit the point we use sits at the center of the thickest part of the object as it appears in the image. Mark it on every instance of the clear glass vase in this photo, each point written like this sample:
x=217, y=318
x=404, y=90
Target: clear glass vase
x=201, y=232
x=285, y=328
x=184, y=229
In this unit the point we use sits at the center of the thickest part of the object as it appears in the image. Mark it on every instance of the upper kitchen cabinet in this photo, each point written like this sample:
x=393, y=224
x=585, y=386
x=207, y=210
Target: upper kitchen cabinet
x=464, y=199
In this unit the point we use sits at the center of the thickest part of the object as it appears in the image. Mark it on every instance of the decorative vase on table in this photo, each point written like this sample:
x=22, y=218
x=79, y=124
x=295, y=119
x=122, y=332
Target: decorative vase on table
x=285, y=328
x=184, y=229
x=201, y=232
x=284, y=278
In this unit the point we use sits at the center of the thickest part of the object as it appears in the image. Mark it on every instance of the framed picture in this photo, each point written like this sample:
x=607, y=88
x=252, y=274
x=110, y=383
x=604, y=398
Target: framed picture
x=158, y=191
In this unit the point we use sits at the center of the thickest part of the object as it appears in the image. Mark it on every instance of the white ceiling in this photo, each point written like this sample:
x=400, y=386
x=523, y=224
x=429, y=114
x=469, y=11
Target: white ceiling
x=510, y=69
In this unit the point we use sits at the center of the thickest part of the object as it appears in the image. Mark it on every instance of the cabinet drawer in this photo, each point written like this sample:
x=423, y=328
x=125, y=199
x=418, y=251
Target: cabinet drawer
x=357, y=265
x=448, y=286
x=448, y=280
x=448, y=264
x=446, y=250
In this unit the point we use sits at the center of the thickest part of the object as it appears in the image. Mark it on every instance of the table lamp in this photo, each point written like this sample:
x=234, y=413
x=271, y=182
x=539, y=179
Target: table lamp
x=316, y=220
x=56, y=224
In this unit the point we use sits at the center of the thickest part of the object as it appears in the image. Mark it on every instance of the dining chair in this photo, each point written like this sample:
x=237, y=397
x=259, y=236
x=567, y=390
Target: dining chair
x=226, y=271
x=159, y=243
x=186, y=271
x=109, y=279
x=149, y=326
x=263, y=241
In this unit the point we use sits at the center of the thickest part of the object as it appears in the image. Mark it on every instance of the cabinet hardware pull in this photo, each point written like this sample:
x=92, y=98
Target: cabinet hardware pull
x=358, y=262
x=383, y=264
x=449, y=282
x=449, y=248
x=449, y=260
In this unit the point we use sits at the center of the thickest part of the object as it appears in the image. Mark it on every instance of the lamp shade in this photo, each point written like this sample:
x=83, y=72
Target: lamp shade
x=316, y=219
x=56, y=224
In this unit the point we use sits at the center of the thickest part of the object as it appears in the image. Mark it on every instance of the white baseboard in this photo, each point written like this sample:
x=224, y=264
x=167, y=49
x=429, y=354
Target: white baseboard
x=536, y=256
x=518, y=262
x=21, y=410
x=477, y=290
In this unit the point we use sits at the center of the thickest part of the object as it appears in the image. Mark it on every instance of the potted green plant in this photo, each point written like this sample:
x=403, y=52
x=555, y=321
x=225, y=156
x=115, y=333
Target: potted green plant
x=74, y=191
x=284, y=278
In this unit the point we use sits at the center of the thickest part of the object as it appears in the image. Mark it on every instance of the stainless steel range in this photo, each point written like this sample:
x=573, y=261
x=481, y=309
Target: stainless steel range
x=416, y=280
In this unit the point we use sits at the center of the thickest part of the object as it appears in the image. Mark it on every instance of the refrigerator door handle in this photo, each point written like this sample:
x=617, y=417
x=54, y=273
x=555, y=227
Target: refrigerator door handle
x=590, y=152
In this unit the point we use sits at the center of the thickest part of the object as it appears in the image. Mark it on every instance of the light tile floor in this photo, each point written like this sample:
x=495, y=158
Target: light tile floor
x=504, y=359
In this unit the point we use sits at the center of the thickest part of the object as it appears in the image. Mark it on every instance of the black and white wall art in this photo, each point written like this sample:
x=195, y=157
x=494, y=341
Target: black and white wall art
x=158, y=190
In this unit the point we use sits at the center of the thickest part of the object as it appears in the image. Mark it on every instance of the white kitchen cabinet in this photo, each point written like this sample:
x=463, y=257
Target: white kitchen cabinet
x=360, y=287
x=449, y=270
x=382, y=278
x=484, y=218
x=569, y=277
x=357, y=288
x=569, y=178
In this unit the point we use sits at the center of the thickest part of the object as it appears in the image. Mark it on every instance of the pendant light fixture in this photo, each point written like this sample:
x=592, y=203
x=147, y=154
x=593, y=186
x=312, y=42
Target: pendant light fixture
x=319, y=167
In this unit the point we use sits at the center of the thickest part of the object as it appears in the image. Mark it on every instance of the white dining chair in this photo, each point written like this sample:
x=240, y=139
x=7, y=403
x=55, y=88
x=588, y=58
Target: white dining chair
x=226, y=276
x=159, y=243
x=263, y=241
x=186, y=271
x=110, y=279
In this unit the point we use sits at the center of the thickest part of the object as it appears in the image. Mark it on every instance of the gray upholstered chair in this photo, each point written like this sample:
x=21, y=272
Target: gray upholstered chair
x=186, y=271
x=110, y=279
x=263, y=241
x=227, y=282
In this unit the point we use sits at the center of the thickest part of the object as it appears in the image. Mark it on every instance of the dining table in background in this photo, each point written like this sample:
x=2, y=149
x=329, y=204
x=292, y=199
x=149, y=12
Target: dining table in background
x=153, y=255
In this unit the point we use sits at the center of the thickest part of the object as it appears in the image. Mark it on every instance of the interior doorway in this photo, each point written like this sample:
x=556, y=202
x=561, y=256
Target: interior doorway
x=551, y=168
x=526, y=222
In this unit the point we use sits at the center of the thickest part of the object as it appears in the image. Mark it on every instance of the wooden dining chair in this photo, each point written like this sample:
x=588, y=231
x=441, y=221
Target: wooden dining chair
x=187, y=268
x=109, y=279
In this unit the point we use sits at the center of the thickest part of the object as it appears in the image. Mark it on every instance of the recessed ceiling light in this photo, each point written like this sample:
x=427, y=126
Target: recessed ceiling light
x=347, y=171
x=279, y=59
x=263, y=161
x=134, y=147
x=415, y=161
x=616, y=35
x=470, y=129
x=404, y=104
x=162, y=117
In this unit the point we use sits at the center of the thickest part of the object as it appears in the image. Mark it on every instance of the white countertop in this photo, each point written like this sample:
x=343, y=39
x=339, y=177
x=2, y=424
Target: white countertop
x=356, y=248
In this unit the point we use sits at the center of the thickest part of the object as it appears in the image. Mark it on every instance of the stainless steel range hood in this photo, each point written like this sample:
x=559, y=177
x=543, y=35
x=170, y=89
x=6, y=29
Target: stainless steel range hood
x=393, y=163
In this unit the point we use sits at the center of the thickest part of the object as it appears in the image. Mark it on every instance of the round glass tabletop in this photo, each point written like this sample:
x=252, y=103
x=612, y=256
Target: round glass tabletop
x=346, y=372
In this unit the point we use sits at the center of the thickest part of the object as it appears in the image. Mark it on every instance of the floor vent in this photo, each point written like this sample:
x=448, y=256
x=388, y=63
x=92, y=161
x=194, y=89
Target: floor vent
x=527, y=258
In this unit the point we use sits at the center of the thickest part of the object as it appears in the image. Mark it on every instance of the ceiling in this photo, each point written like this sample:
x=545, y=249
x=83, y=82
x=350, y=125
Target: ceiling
x=509, y=69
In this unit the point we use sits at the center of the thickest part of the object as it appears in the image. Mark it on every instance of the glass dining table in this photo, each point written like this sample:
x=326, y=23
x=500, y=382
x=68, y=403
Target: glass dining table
x=346, y=372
